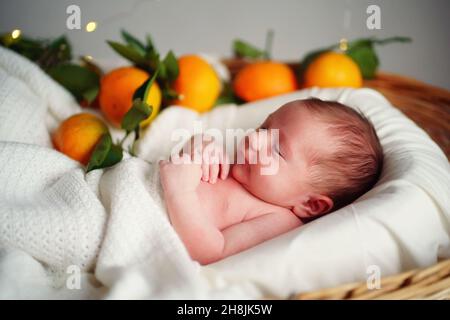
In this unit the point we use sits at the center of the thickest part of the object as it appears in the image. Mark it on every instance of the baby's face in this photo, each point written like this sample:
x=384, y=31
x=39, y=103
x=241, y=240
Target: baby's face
x=299, y=135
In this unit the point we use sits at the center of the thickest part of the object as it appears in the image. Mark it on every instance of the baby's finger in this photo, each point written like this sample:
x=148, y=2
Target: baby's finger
x=196, y=155
x=224, y=170
x=205, y=169
x=213, y=172
x=225, y=165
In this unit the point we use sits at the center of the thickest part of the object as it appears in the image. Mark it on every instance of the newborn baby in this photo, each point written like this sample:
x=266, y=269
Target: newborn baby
x=327, y=156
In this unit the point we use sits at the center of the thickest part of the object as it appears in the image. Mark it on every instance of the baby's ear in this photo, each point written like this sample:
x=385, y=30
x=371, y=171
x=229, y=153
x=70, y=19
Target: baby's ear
x=313, y=206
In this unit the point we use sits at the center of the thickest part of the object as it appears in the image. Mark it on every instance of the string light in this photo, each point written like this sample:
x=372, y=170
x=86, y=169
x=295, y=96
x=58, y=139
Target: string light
x=15, y=33
x=343, y=44
x=91, y=26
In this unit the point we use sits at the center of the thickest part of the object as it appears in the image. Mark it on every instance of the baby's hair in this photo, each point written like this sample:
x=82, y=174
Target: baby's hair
x=353, y=165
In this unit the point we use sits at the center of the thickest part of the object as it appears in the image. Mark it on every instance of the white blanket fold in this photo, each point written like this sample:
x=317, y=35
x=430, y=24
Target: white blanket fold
x=111, y=220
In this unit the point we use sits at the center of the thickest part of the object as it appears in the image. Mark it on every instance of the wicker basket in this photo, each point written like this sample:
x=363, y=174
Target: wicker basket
x=428, y=107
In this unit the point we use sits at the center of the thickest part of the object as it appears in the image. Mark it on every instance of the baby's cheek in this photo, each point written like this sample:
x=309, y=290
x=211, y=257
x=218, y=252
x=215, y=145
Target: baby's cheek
x=263, y=182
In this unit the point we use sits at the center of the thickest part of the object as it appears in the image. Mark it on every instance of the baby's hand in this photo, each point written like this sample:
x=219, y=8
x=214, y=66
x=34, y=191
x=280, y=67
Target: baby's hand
x=212, y=157
x=181, y=176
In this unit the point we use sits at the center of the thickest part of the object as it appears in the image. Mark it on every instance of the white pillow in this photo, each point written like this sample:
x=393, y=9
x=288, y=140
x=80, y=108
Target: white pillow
x=402, y=223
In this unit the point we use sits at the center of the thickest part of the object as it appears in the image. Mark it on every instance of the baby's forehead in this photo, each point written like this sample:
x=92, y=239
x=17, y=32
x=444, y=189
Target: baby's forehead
x=295, y=114
x=303, y=132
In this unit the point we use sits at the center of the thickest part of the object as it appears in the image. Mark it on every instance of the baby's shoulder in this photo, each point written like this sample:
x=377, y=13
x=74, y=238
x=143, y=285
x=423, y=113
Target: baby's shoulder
x=260, y=208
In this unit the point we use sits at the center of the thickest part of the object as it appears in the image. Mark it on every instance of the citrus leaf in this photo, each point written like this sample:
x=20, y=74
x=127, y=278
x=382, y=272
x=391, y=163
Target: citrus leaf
x=56, y=52
x=114, y=156
x=227, y=99
x=244, y=49
x=362, y=51
x=78, y=80
x=390, y=40
x=133, y=42
x=100, y=152
x=366, y=59
x=62, y=46
x=150, y=46
x=152, y=60
x=30, y=48
x=44, y=52
x=227, y=96
x=143, y=91
x=90, y=94
x=138, y=112
x=128, y=52
x=171, y=66
x=105, y=154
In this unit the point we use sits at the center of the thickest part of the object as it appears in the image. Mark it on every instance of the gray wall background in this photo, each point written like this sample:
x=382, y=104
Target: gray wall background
x=189, y=26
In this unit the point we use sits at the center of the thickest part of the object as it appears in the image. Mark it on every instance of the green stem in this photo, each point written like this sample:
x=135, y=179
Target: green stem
x=131, y=150
x=124, y=138
x=268, y=45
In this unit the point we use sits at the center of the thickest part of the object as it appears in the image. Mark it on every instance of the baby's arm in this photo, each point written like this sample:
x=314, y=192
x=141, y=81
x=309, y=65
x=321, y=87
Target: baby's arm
x=249, y=233
x=202, y=239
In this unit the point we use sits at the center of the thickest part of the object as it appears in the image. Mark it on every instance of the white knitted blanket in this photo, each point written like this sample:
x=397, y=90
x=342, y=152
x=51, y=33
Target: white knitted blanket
x=106, y=221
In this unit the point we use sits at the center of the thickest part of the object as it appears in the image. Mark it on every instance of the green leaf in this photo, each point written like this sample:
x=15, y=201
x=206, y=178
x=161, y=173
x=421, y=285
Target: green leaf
x=150, y=46
x=60, y=43
x=128, y=52
x=391, y=40
x=246, y=50
x=152, y=60
x=227, y=99
x=62, y=46
x=105, y=154
x=138, y=112
x=227, y=96
x=143, y=91
x=366, y=58
x=133, y=42
x=29, y=48
x=44, y=52
x=170, y=63
x=100, y=151
x=362, y=51
x=90, y=94
x=80, y=81
x=114, y=156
